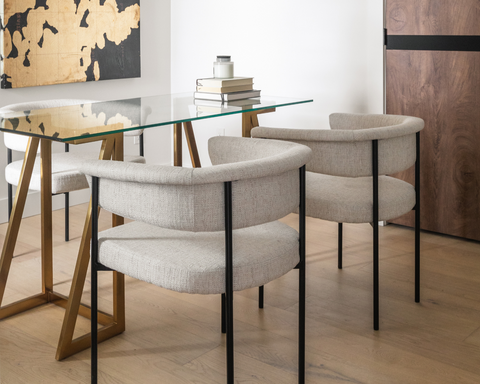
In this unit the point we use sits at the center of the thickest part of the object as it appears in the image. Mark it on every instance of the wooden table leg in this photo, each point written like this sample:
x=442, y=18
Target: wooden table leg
x=112, y=148
x=250, y=120
x=67, y=346
x=192, y=145
x=12, y=234
x=177, y=144
x=46, y=214
x=118, y=278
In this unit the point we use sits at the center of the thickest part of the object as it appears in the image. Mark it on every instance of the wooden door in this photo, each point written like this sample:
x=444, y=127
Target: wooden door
x=442, y=87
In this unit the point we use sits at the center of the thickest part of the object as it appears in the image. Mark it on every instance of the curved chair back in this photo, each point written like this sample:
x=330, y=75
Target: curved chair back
x=265, y=176
x=19, y=142
x=337, y=189
x=346, y=149
x=129, y=109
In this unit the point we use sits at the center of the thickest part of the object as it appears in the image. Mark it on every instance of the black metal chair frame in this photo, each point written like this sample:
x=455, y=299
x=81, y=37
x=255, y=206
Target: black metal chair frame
x=227, y=297
x=416, y=208
x=67, y=194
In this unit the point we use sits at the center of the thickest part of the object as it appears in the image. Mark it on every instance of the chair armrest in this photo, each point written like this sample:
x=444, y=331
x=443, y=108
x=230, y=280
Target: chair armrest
x=300, y=135
x=407, y=125
x=347, y=152
x=388, y=123
x=192, y=199
x=228, y=150
x=258, y=159
x=137, y=173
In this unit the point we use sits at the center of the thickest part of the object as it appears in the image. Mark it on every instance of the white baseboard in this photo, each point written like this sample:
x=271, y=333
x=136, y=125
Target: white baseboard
x=32, y=205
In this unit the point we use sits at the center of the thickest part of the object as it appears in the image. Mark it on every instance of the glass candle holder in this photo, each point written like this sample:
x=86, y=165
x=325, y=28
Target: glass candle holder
x=223, y=67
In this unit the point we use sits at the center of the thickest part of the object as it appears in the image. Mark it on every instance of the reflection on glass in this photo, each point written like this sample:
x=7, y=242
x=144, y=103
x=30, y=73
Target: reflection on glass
x=93, y=119
x=208, y=107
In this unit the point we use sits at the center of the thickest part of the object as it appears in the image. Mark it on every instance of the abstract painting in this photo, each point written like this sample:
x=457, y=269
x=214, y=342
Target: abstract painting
x=65, y=41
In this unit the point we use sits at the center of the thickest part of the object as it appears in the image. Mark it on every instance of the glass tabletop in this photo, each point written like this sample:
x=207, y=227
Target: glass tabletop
x=96, y=119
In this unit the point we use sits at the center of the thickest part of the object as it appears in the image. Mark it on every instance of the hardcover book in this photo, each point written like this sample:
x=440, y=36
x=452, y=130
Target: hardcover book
x=229, y=89
x=230, y=82
x=227, y=96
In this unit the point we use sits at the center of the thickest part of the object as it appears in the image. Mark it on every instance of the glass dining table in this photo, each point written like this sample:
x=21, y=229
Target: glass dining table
x=105, y=121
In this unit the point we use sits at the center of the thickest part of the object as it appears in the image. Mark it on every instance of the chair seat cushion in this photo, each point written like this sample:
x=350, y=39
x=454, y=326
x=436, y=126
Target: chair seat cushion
x=194, y=262
x=65, y=174
x=350, y=200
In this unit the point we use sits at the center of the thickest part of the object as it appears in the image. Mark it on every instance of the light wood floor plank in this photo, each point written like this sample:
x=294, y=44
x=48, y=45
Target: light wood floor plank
x=175, y=338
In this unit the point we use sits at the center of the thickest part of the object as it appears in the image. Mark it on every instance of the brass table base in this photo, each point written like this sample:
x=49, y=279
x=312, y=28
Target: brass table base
x=112, y=148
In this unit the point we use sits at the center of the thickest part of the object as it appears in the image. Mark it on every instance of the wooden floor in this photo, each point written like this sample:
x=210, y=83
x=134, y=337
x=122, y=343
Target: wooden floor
x=175, y=338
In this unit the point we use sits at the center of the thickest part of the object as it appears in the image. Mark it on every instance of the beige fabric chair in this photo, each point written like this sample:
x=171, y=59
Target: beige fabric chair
x=65, y=176
x=347, y=178
x=205, y=230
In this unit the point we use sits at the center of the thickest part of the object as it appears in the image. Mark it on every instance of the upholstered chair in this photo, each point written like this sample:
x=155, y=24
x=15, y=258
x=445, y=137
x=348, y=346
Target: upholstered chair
x=65, y=176
x=210, y=230
x=347, y=178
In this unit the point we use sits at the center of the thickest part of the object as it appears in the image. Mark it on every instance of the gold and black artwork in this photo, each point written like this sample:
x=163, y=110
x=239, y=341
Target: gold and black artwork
x=66, y=41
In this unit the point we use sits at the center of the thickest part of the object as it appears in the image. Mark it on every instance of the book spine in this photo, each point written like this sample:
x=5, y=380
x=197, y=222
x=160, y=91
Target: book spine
x=229, y=89
x=209, y=96
x=227, y=96
x=218, y=83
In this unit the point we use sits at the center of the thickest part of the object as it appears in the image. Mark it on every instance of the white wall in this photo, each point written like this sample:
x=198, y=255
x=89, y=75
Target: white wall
x=155, y=79
x=331, y=51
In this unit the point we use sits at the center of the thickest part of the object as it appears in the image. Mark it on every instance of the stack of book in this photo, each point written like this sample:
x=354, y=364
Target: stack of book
x=233, y=88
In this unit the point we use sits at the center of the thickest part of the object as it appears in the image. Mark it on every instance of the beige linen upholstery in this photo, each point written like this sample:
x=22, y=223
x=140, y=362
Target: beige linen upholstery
x=65, y=174
x=349, y=200
x=207, y=230
x=342, y=157
x=194, y=262
x=346, y=150
x=340, y=181
x=177, y=244
x=187, y=199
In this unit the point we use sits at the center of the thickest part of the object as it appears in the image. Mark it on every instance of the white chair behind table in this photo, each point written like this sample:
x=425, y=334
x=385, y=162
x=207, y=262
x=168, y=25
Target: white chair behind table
x=207, y=230
x=65, y=176
x=347, y=178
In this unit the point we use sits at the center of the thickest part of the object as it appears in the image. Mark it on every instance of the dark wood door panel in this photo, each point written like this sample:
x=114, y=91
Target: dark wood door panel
x=433, y=17
x=443, y=89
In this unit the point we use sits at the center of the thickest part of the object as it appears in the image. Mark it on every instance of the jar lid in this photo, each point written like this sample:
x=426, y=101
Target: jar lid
x=223, y=58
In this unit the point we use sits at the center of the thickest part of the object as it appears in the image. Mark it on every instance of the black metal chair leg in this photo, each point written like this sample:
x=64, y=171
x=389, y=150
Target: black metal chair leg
x=94, y=288
x=94, y=309
x=301, y=280
x=10, y=199
x=301, y=325
x=417, y=220
x=229, y=280
x=376, y=311
x=260, y=296
x=67, y=206
x=223, y=314
x=9, y=186
x=376, y=294
x=417, y=256
x=67, y=216
x=142, y=146
x=229, y=334
x=340, y=245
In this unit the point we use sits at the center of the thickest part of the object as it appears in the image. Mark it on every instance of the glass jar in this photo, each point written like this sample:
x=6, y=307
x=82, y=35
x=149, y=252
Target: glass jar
x=223, y=67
